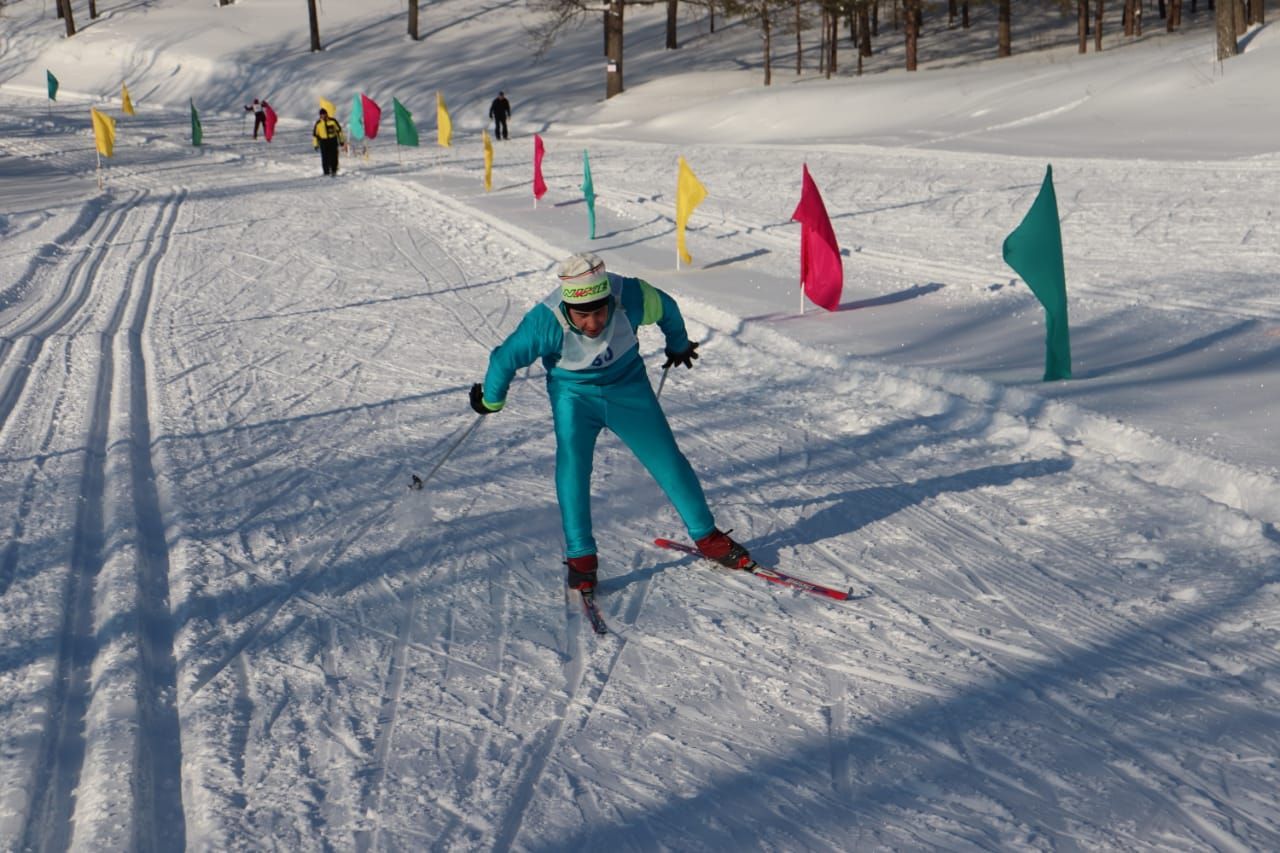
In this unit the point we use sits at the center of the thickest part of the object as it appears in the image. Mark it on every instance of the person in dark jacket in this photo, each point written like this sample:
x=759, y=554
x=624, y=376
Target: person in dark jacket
x=327, y=136
x=498, y=111
x=258, y=108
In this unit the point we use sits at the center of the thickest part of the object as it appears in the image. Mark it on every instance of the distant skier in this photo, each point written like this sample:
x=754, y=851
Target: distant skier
x=327, y=136
x=499, y=111
x=585, y=333
x=258, y=108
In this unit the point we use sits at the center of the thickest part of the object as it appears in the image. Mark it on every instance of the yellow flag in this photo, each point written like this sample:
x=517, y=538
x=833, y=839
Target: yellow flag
x=444, y=127
x=104, y=132
x=126, y=103
x=488, y=161
x=328, y=107
x=689, y=194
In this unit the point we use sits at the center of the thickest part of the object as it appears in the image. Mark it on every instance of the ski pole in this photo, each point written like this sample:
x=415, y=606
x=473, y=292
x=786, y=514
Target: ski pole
x=661, y=382
x=418, y=482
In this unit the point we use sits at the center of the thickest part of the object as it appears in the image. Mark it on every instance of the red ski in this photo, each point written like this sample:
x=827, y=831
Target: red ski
x=771, y=575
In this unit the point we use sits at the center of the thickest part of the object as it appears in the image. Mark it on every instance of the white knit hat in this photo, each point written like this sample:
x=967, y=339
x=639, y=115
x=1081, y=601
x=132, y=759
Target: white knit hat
x=583, y=279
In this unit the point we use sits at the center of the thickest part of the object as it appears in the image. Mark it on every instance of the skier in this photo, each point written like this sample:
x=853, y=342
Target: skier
x=585, y=333
x=258, y=108
x=499, y=110
x=327, y=136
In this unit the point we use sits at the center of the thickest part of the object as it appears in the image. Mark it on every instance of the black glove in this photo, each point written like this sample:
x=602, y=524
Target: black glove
x=477, y=400
x=686, y=358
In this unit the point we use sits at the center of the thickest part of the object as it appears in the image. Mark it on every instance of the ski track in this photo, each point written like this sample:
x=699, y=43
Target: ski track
x=100, y=593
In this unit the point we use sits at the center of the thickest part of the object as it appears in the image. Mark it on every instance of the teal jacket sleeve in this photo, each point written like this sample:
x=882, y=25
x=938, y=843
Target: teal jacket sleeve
x=539, y=335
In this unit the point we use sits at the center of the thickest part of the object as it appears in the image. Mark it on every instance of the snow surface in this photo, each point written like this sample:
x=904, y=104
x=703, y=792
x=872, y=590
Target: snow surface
x=228, y=625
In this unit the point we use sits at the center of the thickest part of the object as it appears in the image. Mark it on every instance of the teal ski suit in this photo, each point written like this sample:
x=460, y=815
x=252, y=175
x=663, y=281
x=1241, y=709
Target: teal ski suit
x=601, y=382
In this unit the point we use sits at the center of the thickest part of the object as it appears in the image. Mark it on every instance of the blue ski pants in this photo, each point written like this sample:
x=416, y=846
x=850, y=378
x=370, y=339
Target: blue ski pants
x=630, y=410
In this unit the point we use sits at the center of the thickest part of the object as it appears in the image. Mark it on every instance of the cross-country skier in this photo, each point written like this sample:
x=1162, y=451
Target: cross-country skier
x=327, y=136
x=585, y=333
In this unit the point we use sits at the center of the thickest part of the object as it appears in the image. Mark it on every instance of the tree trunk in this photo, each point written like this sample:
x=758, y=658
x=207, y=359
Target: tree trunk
x=1242, y=23
x=314, y=16
x=1171, y=22
x=65, y=7
x=1224, y=18
x=964, y=14
x=951, y=13
x=864, y=35
x=1082, y=25
x=799, y=39
x=1097, y=28
x=93, y=9
x=768, y=45
x=613, y=48
x=711, y=11
x=413, y=19
x=833, y=34
x=672, y=10
x=1126, y=18
x=1005, y=37
x=1137, y=18
x=1259, y=8
x=875, y=17
x=913, y=35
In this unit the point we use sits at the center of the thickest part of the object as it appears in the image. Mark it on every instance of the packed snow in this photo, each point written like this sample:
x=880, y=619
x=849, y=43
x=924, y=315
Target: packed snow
x=228, y=624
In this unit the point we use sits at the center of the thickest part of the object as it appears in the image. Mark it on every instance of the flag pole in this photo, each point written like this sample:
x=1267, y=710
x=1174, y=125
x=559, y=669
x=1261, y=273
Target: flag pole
x=99, y=170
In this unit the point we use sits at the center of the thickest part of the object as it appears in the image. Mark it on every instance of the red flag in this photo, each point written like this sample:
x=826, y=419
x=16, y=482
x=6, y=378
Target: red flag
x=821, y=270
x=270, y=116
x=539, y=185
x=372, y=113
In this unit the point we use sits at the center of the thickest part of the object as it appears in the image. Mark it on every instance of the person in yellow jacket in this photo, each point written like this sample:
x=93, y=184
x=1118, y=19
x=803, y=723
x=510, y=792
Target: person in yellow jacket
x=327, y=136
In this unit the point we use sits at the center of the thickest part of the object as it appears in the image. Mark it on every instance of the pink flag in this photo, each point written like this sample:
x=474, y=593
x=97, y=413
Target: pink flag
x=270, y=116
x=539, y=185
x=821, y=270
x=372, y=113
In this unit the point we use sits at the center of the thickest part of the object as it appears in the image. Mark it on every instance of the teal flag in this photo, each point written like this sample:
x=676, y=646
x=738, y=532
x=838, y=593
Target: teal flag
x=589, y=193
x=53, y=85
x=197, y=133
x=406, y=133
x=1034, y=250
x=355, y=123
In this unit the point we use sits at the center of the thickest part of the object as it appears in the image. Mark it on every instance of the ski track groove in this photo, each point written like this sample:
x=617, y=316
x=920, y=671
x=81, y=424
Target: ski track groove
x=77, y=285
x=159, y=798
x=542, y=755
x=314, y=567
x=393, y=688
x=52, y=817
x=26, y=499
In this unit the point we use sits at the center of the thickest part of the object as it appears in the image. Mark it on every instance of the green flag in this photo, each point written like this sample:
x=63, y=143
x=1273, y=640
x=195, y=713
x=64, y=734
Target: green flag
x=53, y=85
x=406, y=133
x=1034, y=250
x=589, y=193
x=197, y=134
